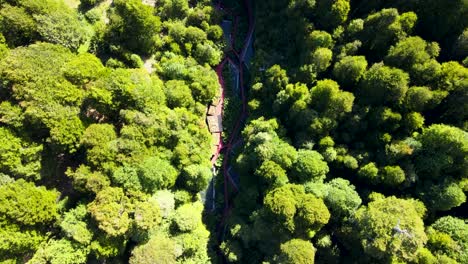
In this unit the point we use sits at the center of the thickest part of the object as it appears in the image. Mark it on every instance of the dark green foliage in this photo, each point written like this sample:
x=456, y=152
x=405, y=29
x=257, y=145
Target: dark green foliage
x=382, y=85
x=443, y=151
x=349, y=70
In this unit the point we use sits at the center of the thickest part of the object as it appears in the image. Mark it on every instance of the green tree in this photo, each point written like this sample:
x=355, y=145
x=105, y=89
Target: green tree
x=133, y=25
x=443, y=151
x=349, y=70
x=391, y=228
x=391, y=26
x=188, y=217
x=159, y=249
x=296, y=251
x=329, y=100
x=19, y=157
x=83, y=69
x=341, y=198
x=110, y=210
x=24, y=203
x=18, y=27
x=74, y=225
x=271, y=174
x=419, y=99
x=383, y=85
x=444, y=196
x=63, y=27
x=312, y=215
x=319, y=39
x=196, y=177
x=393, y=176
x=448, y=235
x=156, y=174
x=17, y=242
x=411, y=51
x=331, y=13
x=60, y=251
x=309, y=166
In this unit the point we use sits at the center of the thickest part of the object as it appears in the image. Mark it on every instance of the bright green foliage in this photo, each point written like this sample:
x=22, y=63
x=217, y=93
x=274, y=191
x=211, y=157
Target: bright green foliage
x=166, y=202
x=330, y=13
x=329, y=100
x=110, y=210
x=74, y=225
x=369, y=172
x=60, y=252
x=321, y=59
x=188, y=216
x=271, y=174
x=18, y=26
x=11, y=115
x=410, y=52
x=391, y=228
x=157, y=174
x=194, y=245
x=295, y=209
x=281, y=203
x=63, y=28
x=319, y=39
x=99, y=140
x=24, y=203
x=266, y=145
x=104, y=247
x=449, y=235
x=175, y=8
x=444, y=196
x=202, y=80
x=349, y=70
x=393, y=176
x=310, y=166
x=341, y=198
x=312, y=214
x=444, y=150
x=83, y=69
x=50, y=101
x=178, y=94
x=383, y=85
x=147, y=214
x=133, y=25
x=296, y=251
x=128, y=88
x=196, y=177
x=19, y=157
x=159, y=250
x=16, y=241
x=420, y=99
x=86, y=180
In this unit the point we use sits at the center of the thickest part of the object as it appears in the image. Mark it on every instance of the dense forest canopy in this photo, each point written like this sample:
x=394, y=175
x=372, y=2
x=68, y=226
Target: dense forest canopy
x=99, y=159
x=356, y=146
x=355, y=149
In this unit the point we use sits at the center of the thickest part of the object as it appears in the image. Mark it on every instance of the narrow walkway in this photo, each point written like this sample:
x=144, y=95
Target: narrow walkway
x=239, y=62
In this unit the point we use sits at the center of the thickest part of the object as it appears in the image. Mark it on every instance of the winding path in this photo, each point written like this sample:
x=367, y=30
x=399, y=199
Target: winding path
x=238, y=62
